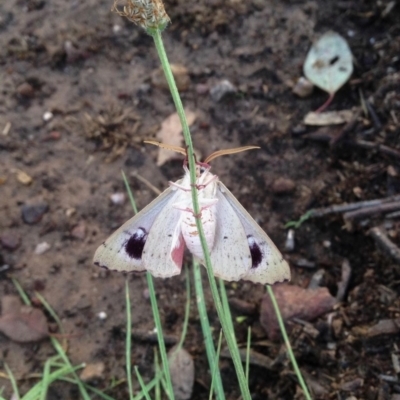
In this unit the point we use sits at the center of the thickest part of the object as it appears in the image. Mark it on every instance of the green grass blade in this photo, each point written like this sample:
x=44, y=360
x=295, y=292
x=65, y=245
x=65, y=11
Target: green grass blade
x=12, y=380
x=248, y=354
x=157, y=389
x=215, y=371
x=128, y=345
x=160, y=337
x=50, y=311
x=141, y=383
x=60, y=374
x=187, y=311
x=287, y=343
x=46, y=378
x=207, y=333
x=128, y=189
x=21, y=292
x=65, y=358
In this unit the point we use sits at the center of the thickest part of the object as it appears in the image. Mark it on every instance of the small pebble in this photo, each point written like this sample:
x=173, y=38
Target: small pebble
x=222, y=89
x=283, y=186
x=33, y=213
x=116, y=29
x=10, y=241
x=102, y=315
x=118, y=198
x=24, y=178
x=303, y=87
x=202, y=88
x=41, y=248
x=47, y=116
x=79, y=231
x=304, y=263
x=92, y=371
x=26, y=90
x=289, y=243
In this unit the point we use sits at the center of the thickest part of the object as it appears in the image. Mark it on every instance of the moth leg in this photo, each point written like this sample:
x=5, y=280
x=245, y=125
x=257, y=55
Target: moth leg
x=177, y=185
x=203, y=185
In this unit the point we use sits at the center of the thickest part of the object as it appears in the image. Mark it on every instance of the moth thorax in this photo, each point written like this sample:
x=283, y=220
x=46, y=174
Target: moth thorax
x=191, y=234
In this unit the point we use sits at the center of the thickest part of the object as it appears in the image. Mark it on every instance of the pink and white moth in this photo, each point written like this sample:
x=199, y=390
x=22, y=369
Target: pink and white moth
x=154, y=239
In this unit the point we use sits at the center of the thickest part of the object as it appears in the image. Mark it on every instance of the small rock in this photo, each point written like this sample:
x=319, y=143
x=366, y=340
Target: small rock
x=181, y=366
x=10, y=241
x=24, y=178
x=202, y=88
x=283, y=186
x=294, y=302
x=242, y=306
x=79, y=231
x=41, y=248
x=26, y=90
x=181, y=76
x=303, y=87
x=102, y=315
x=290, y=243
x=92, y=371
x=350, y=386
x=47, y=116
x=33, y=213
x=118, y=198
x=222, y=89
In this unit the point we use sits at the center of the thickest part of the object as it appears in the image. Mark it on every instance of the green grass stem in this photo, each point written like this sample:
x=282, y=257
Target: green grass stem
x=229, y=335
x=287, y=343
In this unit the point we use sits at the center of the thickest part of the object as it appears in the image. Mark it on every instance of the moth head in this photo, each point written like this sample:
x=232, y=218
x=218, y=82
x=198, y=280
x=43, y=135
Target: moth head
x=202, y=168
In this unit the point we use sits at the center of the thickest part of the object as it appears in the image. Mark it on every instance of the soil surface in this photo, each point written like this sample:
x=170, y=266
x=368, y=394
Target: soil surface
x=79, y=95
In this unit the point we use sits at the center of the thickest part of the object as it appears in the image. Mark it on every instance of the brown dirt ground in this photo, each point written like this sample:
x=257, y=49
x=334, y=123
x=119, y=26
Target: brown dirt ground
x=78, y=58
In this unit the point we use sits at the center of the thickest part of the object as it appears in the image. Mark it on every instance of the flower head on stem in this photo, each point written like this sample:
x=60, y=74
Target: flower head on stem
x=149, y=14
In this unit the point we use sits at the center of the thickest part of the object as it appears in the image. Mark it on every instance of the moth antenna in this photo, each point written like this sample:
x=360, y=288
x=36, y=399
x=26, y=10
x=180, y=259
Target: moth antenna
x=177, y=149
x=228, y=151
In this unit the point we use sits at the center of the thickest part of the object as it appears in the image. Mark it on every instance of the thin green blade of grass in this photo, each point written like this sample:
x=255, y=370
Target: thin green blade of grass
x=13, y=381
x=130, y=195
x=46, y=377
x=142, y=384
x=60, y=374
x=215, y=370
x=287, y=343
x=90, y=388
x=21, y=292
x=207, y=333
x=187, y=311
x=59, y=348
x=50, y=311
x=247, y=369
x=156, y=34
x=227, y=310
x=160, y=337
x=157, y=388
x=128, y=345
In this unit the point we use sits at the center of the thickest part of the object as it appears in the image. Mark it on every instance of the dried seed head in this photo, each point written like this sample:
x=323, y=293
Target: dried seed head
x=149, y=14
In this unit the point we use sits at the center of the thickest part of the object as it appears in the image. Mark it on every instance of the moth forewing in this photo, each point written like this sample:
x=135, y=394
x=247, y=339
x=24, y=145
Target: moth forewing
x=122, y=251
x=163, y=251
x=267, y=264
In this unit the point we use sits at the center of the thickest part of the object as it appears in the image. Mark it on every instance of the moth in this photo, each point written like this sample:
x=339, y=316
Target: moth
x=155, y=239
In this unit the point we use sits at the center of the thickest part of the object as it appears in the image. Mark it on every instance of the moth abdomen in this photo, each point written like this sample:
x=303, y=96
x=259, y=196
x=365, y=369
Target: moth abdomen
x=135, y=244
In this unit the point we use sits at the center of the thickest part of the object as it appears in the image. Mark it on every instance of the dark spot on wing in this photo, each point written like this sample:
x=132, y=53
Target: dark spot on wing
x=255, y=251
x=334, y=60
x=225, y=237
x=135, y=244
